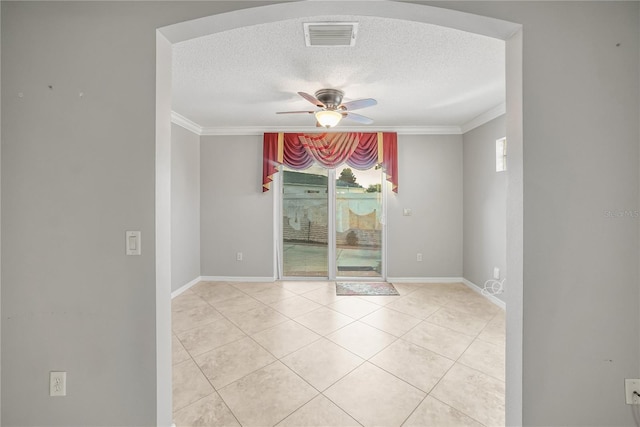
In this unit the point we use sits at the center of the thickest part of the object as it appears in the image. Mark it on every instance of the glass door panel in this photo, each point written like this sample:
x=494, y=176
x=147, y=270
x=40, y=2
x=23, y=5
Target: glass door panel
x=358, y=222
x=305, y=222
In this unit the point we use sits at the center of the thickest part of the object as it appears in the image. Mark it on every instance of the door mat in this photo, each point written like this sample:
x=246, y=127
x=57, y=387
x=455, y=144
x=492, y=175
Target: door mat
x=365, y=288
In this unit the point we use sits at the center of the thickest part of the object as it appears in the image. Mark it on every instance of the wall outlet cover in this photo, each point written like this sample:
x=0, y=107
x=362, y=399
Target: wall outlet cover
x=57, y=383
x=631, y=385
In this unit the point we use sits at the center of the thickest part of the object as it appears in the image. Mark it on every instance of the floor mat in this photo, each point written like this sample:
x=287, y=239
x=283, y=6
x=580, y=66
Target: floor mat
x=365, y=288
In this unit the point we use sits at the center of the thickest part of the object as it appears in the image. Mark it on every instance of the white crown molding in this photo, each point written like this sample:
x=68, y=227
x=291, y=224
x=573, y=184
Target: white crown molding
x=401, y=130
x=425, y=130
x=485, y=117
x=189, y=125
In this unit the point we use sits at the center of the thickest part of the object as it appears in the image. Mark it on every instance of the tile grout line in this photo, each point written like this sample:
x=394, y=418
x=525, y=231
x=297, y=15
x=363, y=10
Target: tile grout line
x=450, y=304
x=447, y=371
x=456, y=409
x=246, y=336
x=445, y=374
x=320, y=392
x=299, y=407
x=215, y=390
x=338, y=406
x=475, y=337
x=264, y=348
x=364, y=360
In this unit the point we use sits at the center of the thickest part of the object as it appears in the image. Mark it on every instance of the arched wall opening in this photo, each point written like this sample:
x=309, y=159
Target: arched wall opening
x=509, y=32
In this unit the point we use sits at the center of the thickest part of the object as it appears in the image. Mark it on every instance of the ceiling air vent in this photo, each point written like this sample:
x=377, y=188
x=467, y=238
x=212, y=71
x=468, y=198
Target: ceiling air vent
x=330, y=34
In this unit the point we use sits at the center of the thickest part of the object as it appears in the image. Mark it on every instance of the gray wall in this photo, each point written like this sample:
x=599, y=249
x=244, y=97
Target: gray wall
x=0, y=214
x=485, y=204
x=581, y=289
x=430, y=184
x=236, y=216
x=185, y=206
x=77, y=173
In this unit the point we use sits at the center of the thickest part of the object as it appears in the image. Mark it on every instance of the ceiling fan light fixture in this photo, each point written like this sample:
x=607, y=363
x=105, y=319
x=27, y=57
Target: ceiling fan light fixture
x=328, y=118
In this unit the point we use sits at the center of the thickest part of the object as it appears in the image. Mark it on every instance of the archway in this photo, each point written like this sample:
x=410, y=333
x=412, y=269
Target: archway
x=510, y=32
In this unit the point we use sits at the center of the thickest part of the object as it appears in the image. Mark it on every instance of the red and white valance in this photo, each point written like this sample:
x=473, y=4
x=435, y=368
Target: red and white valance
x=358, y=150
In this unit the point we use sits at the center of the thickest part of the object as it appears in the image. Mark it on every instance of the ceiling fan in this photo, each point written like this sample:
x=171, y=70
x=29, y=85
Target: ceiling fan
x=332, y=109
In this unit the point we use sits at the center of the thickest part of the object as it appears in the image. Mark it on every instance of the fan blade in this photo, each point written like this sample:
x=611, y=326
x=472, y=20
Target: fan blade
x=357, y=118
x=357, y=104
x=294, y=112
x=311, y=99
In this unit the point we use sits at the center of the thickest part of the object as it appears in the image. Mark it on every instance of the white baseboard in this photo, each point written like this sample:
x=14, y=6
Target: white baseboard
x=183, y=288
x=492, y=298
x=237, y=279
x=219, y=279
x=471, y=285
x=425, y=279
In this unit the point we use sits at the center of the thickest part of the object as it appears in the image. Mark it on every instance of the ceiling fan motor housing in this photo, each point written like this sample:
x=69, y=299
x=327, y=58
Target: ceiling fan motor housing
x=331, y=98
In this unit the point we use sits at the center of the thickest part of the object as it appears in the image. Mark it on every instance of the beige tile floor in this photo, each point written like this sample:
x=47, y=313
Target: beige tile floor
x=295, y=354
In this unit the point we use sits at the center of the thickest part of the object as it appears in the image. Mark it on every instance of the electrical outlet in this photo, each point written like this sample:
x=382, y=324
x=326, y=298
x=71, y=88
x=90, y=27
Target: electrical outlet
x=631, y=386
x=419, y=257
x=57, y=383
x=496, y=273
x=239, y=256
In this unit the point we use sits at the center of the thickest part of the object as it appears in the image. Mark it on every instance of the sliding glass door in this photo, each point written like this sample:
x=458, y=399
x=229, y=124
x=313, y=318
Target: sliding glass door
x=332, y=223
x=358, y=222
x=305, y=222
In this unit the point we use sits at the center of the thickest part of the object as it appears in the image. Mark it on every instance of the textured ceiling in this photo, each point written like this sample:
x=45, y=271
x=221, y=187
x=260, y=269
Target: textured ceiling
x=421, y=75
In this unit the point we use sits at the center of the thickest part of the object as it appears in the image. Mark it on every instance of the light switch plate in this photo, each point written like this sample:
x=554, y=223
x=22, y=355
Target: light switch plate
x=133, y=243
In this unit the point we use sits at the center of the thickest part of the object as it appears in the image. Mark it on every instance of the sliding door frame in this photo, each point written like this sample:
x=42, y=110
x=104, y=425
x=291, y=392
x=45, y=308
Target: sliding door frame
x=332, y=268
x=332, y=264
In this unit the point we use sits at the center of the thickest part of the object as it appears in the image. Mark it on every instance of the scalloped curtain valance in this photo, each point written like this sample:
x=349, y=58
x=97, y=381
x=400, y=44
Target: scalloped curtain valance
x=358, y=150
